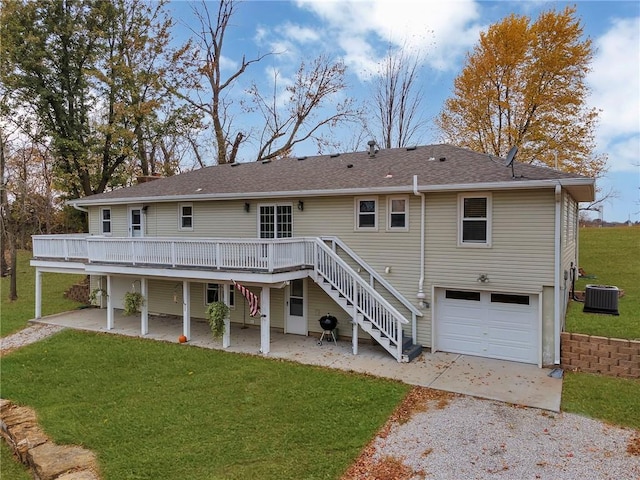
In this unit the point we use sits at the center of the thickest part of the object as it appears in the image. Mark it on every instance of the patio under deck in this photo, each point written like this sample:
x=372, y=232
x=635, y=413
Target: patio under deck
x=511, y=382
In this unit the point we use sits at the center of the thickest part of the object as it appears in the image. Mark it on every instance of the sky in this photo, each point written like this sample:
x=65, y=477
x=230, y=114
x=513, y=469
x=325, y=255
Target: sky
x=360, y=33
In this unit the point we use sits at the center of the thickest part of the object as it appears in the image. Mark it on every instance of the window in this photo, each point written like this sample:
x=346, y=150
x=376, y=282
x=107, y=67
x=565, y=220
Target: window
x=398, y=213
x=462, y=295
x=366, y=214
x=214, y=293
x=275, y=221
x=105, y=215
x=186, y=216
x=475, y=221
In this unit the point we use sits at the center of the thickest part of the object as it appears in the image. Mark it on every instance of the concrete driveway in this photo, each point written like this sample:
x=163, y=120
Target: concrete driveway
x=510, y=382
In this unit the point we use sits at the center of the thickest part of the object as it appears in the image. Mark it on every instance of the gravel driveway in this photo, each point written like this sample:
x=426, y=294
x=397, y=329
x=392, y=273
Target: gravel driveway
x=448, y=436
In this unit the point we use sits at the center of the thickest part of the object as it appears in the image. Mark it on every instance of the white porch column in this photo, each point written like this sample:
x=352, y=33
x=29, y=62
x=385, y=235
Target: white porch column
x=265, y=323
x=109, y=304
x=226, y=336
x=38, y=292
x=186, y=309
x=144, y=312
x=354, y=334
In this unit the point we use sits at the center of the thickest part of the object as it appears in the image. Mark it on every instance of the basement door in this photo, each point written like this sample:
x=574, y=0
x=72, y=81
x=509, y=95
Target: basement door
x=296, y=305
x=488, y=324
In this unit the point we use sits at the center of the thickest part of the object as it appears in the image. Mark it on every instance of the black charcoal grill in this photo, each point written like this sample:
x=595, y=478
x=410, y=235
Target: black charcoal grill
x=328, y=323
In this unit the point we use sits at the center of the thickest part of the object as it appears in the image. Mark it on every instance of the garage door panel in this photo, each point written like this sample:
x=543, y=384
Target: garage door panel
x=500, y=325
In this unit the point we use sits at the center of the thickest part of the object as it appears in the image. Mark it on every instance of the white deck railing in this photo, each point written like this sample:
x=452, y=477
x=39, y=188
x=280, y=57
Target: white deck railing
x=245, y=254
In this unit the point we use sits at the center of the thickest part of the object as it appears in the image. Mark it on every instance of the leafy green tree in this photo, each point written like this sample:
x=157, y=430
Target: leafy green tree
x=89, y=73
x=524, y=85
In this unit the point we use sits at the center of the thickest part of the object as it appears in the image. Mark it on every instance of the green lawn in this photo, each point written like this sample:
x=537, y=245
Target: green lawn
x=614, y=400
x=10, y=467
x=14, y=315
x=612, y=255
x=155, y=410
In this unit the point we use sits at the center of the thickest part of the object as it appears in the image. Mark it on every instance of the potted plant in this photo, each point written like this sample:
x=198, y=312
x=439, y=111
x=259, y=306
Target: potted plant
x=95, y=294
x=132, y=303
x=216, y=313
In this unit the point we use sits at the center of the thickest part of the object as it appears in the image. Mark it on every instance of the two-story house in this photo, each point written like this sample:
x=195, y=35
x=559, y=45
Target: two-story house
x=435, y=246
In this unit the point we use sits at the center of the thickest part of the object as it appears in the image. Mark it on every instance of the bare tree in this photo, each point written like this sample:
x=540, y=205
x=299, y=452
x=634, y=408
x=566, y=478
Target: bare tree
x=205, y=64
x=312, y=104
x=397, y=100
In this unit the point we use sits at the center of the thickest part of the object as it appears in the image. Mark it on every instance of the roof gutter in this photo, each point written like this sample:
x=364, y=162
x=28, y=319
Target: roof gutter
x=78, y=207
x=524, y=185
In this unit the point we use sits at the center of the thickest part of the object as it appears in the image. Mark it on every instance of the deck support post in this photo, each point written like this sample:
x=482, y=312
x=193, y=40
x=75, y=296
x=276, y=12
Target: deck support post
x=354, y=334
x=265, y=323
x=226, y=336
x=144, y=312
x=109, y=304
x=38, y=292
x=186, y=309
x=354, y=338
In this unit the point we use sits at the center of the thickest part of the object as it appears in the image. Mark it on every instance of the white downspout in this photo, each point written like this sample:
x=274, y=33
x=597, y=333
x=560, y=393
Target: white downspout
x=556, y=281
x=420, y=295
x=78, y=207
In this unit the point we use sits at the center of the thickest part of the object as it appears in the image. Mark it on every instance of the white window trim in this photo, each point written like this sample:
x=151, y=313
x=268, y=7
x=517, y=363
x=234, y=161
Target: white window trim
x=461, y=197
x=356, y=212
x=406, y=213
x=102, y=232
x=180, y=216
x=232, y=294
x=275, y=212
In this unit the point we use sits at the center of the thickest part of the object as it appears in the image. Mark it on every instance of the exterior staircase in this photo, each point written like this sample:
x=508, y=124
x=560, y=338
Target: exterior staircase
x=366, y=306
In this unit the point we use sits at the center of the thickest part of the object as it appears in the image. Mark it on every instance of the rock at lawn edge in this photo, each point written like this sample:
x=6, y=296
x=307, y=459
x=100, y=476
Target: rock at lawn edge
x=49, y=461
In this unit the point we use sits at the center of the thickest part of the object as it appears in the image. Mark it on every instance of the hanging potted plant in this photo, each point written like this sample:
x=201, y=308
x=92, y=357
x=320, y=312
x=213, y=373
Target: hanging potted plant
x=216, y=313
x=132, y=302
x=96, y=294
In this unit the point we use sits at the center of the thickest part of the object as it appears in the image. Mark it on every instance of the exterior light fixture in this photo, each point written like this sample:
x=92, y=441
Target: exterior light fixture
x=300, y=205
x=247, y=207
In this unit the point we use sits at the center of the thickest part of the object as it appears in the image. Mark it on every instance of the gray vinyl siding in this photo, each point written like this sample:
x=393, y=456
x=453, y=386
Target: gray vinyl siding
x=521, y=256
x=119, y=221
x=520, y=259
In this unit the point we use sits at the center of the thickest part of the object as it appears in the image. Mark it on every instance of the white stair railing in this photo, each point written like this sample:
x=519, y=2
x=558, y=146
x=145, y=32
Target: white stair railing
x=370, y=306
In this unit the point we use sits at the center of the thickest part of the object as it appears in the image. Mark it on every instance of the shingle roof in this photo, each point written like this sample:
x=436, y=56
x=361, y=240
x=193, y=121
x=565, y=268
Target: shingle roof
x=389, y=169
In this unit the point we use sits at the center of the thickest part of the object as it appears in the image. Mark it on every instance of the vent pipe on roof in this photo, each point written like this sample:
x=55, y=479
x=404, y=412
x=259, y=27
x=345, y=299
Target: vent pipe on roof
x=372, y=148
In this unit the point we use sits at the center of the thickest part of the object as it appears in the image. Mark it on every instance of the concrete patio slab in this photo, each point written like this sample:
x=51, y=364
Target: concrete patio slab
x=504, y=381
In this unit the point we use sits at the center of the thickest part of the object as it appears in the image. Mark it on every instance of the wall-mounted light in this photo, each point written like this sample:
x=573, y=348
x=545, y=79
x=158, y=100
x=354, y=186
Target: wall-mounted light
x=387, y=270
x=247, y=206
x=145, y=208
x=300, y=205
x=483, y=278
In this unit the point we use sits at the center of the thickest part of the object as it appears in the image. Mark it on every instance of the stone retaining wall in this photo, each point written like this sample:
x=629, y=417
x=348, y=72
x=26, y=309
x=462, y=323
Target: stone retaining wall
x=592, y=354
x=47, y=460
x=79, y=292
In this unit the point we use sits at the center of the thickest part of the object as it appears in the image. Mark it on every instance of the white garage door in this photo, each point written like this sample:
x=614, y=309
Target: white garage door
x=487, y=324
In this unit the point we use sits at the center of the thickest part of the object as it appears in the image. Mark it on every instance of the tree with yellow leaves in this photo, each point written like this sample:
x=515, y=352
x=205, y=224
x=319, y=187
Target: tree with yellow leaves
x=524, y=85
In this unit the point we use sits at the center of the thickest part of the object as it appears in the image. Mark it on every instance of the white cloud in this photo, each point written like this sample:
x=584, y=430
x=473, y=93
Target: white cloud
x=441, y=31
x=615, y=85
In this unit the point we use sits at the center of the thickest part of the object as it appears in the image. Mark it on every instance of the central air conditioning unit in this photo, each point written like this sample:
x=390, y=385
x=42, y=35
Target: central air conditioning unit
x=601, y=299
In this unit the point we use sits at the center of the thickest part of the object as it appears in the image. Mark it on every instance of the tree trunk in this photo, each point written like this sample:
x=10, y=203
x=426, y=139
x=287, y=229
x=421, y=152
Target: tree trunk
x=13, y=286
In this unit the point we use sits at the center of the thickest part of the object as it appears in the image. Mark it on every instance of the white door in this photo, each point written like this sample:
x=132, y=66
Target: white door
x=296, y=306
x=136, y=225
x=488, y=324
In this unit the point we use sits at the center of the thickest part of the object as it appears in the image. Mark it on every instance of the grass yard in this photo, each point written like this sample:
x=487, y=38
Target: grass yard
x=613, y=256
x=155, y=410
x=614, y=400
x=14, y=315
x=10, y=468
